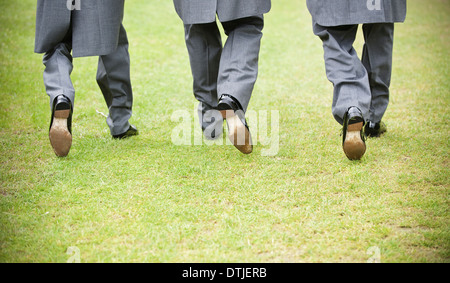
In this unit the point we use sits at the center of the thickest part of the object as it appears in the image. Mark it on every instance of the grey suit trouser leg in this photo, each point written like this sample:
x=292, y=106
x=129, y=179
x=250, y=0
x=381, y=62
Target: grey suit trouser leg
x=58, y=67
x=377, y=59
x=362, y=83
x=113, y=78
x=230, y=69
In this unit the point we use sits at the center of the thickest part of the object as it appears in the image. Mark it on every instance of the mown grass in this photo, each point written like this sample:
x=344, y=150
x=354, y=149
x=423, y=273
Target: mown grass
x=148, y=200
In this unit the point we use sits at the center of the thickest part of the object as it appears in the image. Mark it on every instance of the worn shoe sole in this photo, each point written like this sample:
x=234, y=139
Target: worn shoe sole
x=354, y=146
x=238, y=133
x=60, y=137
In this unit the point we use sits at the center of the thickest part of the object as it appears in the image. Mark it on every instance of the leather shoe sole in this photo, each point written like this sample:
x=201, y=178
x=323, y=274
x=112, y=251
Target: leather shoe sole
x=59, y=134
x=353, y=145
x=238, y=133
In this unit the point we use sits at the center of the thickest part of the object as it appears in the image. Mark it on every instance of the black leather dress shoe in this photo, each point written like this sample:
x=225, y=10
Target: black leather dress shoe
x=132, y=131
x=353, y=141
x=238, y=131
x=60, y=133
x=374, y=130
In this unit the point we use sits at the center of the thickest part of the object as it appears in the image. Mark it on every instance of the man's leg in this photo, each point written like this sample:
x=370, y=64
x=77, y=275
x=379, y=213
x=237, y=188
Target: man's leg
x=351, y=99
x=237, y=76
x=344, y=69
x=58, y=67
x=113, y=78
x=204, y=45
x=239, y=61
x=377, y=59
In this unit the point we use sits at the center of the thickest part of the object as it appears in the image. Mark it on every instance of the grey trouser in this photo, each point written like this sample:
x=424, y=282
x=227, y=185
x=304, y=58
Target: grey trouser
x=113, y=78
x=230, y=69
x=363, y=83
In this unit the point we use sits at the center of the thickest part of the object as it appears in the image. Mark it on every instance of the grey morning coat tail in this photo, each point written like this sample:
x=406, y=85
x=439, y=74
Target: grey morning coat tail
x=351, y=12
x=95, y=25
x=204, y=11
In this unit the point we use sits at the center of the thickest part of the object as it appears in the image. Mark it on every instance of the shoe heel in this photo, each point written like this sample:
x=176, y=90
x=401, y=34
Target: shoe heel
x=355, y=127
x=62, y=114
x=354, y=147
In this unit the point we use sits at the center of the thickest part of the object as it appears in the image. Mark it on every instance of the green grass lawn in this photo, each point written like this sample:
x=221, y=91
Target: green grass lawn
x=147, y=199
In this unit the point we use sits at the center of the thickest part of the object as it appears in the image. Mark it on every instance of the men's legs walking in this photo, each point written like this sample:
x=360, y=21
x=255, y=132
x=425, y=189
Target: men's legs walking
x=351, y=98
x=237, y=76
x=59, y=87
x=204, y=45
x=377, y=59
x=239, y=61
x=345, y=70
x=113, y=78
x=58, y=67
